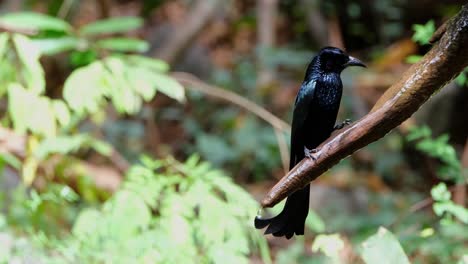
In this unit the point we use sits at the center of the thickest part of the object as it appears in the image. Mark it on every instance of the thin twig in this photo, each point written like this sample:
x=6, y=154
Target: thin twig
x=279, y=126
x=283, y=147
x=201, y=13
x=65, y=8
x=194, y=83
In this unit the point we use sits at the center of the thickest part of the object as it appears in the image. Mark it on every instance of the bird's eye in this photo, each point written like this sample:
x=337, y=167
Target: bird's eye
x=329, y=65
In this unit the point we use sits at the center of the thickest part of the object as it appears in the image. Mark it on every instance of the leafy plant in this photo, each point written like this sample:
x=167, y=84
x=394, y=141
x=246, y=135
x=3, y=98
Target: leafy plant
x=126, y=80
x=423, y=33
x=383, y=247
x=165, y=212
x=450, y=167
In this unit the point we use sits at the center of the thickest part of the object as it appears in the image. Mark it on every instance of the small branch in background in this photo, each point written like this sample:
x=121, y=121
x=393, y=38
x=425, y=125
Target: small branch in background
x=119, y=161
x=283, y=147
x=24, y=31
x=65, y=8
x=192, y=82
x=440, y=65
x=104, y=8
x=200, y=15
x=459, y=196
x=266, y=29
x=335, y=38
x=317, y=23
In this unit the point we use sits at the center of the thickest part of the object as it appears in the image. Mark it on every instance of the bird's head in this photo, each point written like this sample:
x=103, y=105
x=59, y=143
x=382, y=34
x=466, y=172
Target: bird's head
x=331, y=59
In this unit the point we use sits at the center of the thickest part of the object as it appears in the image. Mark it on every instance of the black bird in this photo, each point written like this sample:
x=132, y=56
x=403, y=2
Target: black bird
x=314, y=117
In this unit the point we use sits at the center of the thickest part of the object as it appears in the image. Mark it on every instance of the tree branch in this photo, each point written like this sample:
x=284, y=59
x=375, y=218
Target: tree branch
x=200, y=15
x=440, y=65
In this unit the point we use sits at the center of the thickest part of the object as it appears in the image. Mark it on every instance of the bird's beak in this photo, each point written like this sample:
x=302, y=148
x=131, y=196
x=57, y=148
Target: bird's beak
x=354, y=62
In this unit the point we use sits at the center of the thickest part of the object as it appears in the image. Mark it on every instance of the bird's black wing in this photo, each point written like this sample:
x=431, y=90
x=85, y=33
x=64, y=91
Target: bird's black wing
x=291, y=220
x=301, y=112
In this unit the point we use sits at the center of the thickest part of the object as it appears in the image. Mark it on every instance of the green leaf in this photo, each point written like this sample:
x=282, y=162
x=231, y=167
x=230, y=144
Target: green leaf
x=3, y=44
x=461, y=79
x=85, y=89
x=87, y=224
x=29, y=169
x=11, y=160
x=148, y=63
x=34, y=21
x=20, y=102
x=169, y=86
x=413, y=59
x=440, y=192
x=70, y=144
x=83, y=58
x=422, y=33
x=29, y=56
x=123, y=44
x=51, y=46
x=329, y=245
x=59, y=145
x=62, y=113
x=314, y=222
x=112, y=25
x=460, y=212
x=123, y=95
x=383, y=248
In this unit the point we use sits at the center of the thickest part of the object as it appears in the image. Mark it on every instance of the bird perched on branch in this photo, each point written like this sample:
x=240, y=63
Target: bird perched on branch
x=314, y=117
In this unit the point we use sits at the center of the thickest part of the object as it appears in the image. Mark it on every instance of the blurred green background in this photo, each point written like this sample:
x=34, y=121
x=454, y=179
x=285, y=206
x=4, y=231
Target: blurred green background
x=146, y=132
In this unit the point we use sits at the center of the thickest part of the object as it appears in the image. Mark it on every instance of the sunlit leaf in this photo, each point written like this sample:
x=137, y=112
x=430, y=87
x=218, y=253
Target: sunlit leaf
x=85, y=89
x=169, y=86
x=62, y=113
x=41, y=120
x=34, y=21
x=32, y=70
x=440, y=192
x=329, y=245
x=3, y=44
x=413, y=59
x=123, y=95
x=112, y=25
x=87, y=223
x=422, y=33
x=383, y=248
x=28, y=172
x=123, y=44
x=51, y=46
x=149, y=63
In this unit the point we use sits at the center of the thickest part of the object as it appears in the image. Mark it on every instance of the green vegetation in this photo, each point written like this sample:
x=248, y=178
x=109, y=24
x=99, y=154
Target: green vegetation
x=83, y=181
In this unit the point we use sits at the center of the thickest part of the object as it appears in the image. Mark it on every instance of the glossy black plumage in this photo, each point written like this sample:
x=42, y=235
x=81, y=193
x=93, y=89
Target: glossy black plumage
x=315, y=111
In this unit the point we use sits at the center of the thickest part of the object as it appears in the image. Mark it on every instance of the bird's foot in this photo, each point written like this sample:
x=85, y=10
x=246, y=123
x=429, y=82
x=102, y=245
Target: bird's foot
x=343, y=124
x=311, y=153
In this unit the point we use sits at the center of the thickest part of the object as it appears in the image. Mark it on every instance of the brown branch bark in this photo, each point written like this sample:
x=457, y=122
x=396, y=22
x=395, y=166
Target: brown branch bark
x=441, y=64
x=200, y=15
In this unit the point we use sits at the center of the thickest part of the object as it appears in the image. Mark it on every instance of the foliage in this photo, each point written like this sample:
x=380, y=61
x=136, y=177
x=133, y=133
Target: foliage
x=165, y=212
x=450, y=167
x=374, y=247
x=125, y=80
x=422, y=33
